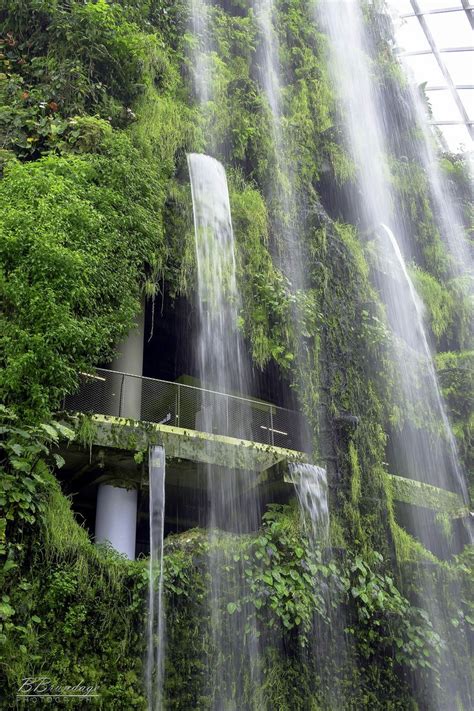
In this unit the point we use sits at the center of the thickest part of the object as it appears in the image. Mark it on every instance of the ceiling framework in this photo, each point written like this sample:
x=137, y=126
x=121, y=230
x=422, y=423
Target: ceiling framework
x=459, y=112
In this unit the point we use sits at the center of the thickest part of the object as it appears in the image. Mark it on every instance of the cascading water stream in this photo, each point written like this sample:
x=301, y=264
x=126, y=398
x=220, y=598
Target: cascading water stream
x=155, y=660
x=310, y=482
x=328, y=643
x=288, y=220
x=424, y=447
x=457, y=479
x=201, y=50
x=282, y=192
x=449, y=220
x=232, y=498
x=223, y=367
x=221, y=358
x=349, y=55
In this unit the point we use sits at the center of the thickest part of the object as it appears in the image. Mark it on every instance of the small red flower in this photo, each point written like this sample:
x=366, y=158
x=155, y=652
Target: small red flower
x=53, y=106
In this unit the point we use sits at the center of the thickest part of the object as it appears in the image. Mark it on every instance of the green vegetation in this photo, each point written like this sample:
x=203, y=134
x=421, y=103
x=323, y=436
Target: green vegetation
x=96, y=117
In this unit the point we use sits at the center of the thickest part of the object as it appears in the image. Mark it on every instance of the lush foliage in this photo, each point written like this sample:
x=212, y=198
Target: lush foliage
x=97, y=113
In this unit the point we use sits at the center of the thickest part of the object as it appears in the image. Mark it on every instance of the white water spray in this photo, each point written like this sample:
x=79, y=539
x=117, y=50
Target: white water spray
x=426, y=451
x=200, y=51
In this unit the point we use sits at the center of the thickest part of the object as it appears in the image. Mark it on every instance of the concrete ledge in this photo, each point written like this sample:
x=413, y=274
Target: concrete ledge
x=417, y=493
x=203, y=447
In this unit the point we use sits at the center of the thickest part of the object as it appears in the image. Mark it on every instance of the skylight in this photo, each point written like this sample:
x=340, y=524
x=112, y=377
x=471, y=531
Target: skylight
x=434, y=37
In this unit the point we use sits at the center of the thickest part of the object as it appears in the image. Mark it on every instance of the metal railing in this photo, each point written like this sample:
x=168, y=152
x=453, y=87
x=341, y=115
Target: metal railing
x=109, y=392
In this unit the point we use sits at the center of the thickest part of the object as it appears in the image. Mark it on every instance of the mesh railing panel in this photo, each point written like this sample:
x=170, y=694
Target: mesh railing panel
x=123, y=395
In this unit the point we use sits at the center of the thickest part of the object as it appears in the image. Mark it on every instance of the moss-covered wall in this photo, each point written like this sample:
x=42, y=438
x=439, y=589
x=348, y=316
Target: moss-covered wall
x=97, y=115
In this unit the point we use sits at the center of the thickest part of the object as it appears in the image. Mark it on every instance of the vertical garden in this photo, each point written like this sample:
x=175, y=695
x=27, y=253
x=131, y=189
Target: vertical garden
x=100, y=105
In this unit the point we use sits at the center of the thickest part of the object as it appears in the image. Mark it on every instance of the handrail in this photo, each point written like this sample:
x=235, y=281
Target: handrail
x=252, y=401
x=122, y=394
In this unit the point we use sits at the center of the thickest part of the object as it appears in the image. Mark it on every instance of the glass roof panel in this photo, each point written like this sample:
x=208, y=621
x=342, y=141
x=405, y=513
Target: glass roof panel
x=424, y=67
x=450, y=29
x=443, y=106
x=403, y=7
x=467, y=98
x=411, y=37
x=460, y=65
x=438, y=4
x=456, y=137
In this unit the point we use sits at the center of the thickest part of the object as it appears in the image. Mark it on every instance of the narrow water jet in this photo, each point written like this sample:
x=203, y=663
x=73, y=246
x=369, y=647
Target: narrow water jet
x=232, y=496
x=289, y=226
x=156, y=633
x=286, y=202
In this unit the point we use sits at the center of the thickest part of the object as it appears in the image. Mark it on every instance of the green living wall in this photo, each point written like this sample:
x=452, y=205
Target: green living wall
x=97, y=116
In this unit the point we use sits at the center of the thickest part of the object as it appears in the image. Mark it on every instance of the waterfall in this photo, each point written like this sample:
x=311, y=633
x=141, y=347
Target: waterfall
x=449, y=220
x=421, y=447
x=329, y=647
x=287, y=211
x=328, y=640
x=200, y=52
x=282, y=190
x=221, y=361
x=450, y=475
x=427, y=451
x=310, y=482
x=232, y=497
x=156, y=618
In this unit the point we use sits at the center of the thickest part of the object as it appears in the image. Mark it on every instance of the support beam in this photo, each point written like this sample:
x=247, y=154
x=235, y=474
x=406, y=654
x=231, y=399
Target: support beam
x=469, y=11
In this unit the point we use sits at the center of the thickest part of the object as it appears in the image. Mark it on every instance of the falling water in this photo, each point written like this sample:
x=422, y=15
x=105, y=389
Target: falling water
x=233, y=501
x=221, y=359
x=282, y=191
x=328, y=640
x=437, y=464
x=200, y=52
x=310, y=482
x=447, y=212
x=156, y=618
x=287, y=210
x=350, y=69
x=423, y=448
x=330, y=651
x=433, y=451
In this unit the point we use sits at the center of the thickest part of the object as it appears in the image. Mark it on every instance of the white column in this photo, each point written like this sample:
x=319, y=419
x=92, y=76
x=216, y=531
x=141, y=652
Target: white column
x=116, y=518
x=129, y=360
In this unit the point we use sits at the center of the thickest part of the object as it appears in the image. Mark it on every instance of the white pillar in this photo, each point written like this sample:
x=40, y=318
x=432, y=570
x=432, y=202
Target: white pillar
x=129, y=359
x=116, y=518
